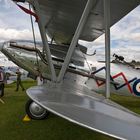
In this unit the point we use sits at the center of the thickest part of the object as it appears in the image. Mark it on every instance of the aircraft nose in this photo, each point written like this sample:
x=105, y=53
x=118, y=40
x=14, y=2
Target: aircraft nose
x=1, y=46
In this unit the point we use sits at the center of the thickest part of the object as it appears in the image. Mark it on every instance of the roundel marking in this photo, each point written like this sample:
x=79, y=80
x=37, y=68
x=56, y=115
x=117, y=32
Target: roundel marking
x=136, y=87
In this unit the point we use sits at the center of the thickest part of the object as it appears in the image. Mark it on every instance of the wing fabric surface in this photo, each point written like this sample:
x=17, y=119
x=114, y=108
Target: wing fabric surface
x=61, y=17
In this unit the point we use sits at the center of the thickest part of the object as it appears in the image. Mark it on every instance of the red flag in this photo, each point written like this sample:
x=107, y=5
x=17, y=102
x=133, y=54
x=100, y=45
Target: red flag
x=28, y=12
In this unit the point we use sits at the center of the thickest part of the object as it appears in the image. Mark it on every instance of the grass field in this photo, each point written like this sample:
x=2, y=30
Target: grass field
x=54, y=128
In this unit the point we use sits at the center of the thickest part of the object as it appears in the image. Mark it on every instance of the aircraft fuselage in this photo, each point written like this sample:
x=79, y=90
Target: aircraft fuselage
x=124, y=78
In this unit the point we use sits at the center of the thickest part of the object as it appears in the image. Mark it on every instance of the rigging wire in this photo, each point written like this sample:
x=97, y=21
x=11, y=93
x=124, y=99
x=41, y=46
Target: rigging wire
x=33, y=31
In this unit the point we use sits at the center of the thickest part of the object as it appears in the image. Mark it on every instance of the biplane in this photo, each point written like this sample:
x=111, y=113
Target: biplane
x=70, y=90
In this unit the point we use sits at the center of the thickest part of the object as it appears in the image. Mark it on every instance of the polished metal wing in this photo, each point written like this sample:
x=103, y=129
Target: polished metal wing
x=61, y=17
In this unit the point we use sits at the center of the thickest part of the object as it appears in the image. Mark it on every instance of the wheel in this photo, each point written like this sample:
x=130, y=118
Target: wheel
x=35, y=111
x=1, y=90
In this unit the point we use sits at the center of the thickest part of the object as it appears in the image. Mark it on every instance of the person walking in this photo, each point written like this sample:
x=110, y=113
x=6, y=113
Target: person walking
x=19, y=83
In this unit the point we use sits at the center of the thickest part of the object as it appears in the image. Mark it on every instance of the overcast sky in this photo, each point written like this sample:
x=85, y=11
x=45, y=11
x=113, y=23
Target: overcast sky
x=125, y=38
x=125, y=35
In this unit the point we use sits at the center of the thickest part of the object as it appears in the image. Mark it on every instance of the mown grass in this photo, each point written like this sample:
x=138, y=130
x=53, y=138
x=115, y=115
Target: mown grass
x=54, y=128
x=130, y=102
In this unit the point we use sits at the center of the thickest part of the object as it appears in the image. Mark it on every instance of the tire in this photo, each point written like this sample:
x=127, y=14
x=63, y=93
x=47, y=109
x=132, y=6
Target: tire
x=35, y=111
x=2, y=90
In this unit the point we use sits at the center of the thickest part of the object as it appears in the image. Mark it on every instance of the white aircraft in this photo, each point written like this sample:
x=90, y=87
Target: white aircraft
x=71, y=91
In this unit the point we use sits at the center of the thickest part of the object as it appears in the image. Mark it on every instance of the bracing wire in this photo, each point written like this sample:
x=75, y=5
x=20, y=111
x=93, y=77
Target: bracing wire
x=32, y=24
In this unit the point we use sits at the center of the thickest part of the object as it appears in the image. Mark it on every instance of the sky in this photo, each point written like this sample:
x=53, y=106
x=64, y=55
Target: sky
x=125, y=38
x=125, y=35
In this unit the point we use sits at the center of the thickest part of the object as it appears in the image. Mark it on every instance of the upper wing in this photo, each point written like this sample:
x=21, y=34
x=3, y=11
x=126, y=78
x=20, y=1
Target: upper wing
x=61, y=17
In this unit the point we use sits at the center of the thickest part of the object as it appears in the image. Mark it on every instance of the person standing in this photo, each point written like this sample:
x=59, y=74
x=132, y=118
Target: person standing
x=19, y=83
x=39, y=79
x=1, y=82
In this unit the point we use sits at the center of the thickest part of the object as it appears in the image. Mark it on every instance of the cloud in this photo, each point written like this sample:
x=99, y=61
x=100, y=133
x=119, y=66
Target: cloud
x=11, y=16
x=25, y=34
x=125, y=35
x=14, y=23
x=125, y=38
x=4, y=61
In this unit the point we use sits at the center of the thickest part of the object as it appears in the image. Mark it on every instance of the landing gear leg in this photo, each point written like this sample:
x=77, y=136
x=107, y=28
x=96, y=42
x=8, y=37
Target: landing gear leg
x=35, y=111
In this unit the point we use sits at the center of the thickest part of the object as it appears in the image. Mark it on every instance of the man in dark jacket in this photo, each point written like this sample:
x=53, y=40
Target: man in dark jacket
x=19, y=83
